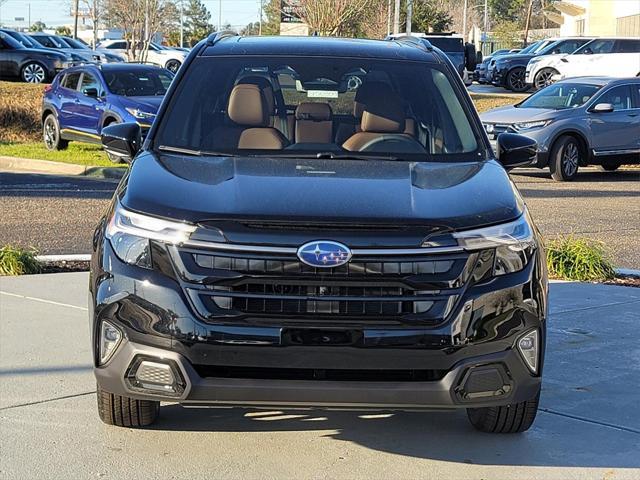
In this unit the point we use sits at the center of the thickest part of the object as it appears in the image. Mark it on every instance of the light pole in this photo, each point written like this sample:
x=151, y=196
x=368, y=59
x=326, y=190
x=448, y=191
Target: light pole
x=396, y=18
x=219, y=15
x=181, y=23
x=409, y=15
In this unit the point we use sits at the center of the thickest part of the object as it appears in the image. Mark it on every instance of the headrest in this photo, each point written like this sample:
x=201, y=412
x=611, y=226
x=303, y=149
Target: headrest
x=266, y=87
x=365, y=93
x=384, y=113
x=247, y=106
x=317, y=112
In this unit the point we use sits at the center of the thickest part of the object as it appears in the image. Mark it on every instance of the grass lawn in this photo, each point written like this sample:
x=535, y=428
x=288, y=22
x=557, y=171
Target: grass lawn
x=484, y=102
x=78, y=153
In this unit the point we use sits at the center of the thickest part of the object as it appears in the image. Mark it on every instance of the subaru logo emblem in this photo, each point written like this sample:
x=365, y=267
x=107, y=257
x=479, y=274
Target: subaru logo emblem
x=324, y=253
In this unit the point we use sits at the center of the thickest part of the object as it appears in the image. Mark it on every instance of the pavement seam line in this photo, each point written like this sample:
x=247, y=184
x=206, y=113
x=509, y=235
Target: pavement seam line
x=588, y=420
x=64, y=397
x=42, y=300
x=595, y=306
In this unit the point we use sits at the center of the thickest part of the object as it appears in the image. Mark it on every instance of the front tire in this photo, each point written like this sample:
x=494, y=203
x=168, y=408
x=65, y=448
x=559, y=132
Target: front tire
x=516, y=80
x=173, y=65
x=51, y=134
x=512, y=418
x=126, y=412
x=565, y=158
x=544, y=78
x=33, y=72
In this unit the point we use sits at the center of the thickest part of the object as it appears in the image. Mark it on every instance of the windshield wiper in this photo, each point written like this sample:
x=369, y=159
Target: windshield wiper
x=195, y=153
x=328, y=156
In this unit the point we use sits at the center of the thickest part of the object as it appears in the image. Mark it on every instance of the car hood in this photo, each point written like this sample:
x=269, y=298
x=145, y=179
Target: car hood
x=149, y=104
x=514, y=57
x=200, y=189
x=511, y=114
x=45, y=51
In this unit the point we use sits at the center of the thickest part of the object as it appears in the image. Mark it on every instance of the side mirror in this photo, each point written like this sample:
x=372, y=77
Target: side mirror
x=603, y=108
x=122, y=139
x=516, y=150
x=90, y=92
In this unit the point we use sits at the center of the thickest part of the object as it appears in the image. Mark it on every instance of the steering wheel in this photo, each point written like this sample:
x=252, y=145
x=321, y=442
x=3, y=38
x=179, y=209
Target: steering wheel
x=393, y=144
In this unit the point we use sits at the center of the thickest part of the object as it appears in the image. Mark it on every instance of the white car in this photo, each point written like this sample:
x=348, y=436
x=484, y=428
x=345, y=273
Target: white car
x=613, y=57
x=166, y=57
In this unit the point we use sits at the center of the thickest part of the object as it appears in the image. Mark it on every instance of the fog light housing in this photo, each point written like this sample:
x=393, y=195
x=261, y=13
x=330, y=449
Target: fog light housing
x=155, y=375
x=110, y=338
x=529, y=346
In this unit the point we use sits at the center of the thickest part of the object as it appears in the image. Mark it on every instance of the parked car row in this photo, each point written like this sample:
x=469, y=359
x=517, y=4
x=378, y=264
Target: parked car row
x=36, y=57
x=547, y=61
x=576, y=122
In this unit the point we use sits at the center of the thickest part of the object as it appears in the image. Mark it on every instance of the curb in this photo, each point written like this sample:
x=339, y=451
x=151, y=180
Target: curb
x=63, y=258
x=47, y=167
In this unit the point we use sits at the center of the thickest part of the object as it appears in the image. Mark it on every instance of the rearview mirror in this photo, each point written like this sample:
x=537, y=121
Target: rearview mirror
x=90, y=92
x=122, y=139
x=516, y=150
x=603, y=108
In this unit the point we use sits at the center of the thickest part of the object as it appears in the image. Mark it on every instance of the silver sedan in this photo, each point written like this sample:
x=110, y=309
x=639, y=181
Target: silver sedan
x=577, y=122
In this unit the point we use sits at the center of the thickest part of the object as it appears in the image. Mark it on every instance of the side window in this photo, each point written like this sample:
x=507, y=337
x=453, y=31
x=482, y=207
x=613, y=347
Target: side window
x=71, y=80
x=44, y=41
x=89, y=81
x=598, y=46
x=627, y=46
x=117, y=46
x=619, y=97
x=571, y=46
x=636, y=100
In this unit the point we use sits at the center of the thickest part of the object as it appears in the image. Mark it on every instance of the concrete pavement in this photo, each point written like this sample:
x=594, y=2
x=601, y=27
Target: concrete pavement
x=588, y=426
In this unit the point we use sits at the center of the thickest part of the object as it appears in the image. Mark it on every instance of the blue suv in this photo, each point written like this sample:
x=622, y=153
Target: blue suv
x=83, y=100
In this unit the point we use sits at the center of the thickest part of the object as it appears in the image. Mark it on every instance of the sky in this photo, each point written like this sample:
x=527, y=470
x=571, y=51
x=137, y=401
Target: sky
x=56, y=12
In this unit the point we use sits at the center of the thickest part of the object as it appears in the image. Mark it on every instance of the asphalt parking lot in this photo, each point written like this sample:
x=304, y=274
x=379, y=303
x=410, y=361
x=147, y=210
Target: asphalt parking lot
x=588, y=426
x=57, y=215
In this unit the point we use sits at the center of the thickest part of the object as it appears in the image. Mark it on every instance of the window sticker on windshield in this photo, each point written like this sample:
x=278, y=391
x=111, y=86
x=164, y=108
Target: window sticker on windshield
x=322, y=93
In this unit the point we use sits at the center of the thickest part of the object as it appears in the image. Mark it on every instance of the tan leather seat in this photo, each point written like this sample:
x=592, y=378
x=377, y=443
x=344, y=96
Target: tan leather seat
x=383, y=118
x=248, y=108
x=314, y=123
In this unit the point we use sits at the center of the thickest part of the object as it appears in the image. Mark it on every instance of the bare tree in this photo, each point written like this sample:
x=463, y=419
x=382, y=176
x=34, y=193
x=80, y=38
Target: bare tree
x=95, y=12
x=332, y=17
x=140, y=21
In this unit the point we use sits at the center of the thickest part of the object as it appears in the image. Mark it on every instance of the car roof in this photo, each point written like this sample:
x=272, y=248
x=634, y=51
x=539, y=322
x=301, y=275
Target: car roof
x=406, y=48
x=601, y=80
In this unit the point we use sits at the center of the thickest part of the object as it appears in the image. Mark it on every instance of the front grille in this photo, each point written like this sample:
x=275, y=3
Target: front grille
x=269, y=287
x=347, y=375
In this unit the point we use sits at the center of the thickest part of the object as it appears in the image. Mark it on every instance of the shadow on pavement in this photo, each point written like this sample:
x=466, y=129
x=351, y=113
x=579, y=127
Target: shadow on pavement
x=630, y=175
x=438, y=436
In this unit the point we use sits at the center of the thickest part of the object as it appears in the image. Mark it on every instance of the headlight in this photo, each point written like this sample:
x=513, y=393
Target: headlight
x=130, y=232
x=514, y=244
x=140, y=114
x=531, y=125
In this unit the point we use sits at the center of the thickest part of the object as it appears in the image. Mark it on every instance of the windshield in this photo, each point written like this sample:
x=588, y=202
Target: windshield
x=318, y=106
x=10, y=41
x=530, y=48
x=75, y=44
x=541, y=46
x=139, y=82
x=563, y=46
x=560, y=96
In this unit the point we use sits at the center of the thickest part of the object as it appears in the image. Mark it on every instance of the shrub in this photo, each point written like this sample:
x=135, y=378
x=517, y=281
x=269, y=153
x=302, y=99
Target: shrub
x=579, y=259
x=18, y=261
x=20, y=107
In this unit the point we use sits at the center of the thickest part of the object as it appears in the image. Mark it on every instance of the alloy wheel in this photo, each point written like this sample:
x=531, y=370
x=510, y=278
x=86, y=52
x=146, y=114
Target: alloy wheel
x=173, y=66
x=544, y=78
x=517, y=80
x=570, y=159
x=50, y=134
x=34, y=73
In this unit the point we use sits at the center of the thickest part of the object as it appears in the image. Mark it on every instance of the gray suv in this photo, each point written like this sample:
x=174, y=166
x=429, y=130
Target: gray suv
x=576, y=122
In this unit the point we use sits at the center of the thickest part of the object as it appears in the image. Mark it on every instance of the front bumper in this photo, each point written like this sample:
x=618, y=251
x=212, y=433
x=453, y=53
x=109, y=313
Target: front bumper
x=492, y=379
x=156, y=319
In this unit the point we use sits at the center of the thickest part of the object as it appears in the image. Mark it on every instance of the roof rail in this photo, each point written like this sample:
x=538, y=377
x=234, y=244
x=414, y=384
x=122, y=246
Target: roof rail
x=418, y=42
x=215, y=37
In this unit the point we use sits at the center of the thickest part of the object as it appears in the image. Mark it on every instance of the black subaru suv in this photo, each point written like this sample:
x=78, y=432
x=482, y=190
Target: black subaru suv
x=318, y=222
